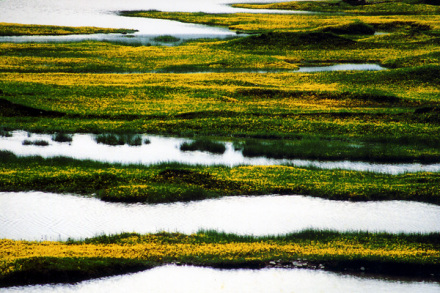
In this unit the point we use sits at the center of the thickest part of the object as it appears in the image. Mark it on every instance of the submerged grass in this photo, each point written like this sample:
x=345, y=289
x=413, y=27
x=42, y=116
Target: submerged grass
x=26, y=262
x=204, y=145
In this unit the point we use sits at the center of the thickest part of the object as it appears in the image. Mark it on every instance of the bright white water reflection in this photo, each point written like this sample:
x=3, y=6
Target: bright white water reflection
x=343, y=67
x=167, y=149
x=46, y=216
x=183, y=279
x=103, y=13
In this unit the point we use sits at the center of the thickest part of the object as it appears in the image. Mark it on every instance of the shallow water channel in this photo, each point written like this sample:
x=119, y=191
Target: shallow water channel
x=48, y=216
x=104, y=13
x=167, y=149
x=184, y=279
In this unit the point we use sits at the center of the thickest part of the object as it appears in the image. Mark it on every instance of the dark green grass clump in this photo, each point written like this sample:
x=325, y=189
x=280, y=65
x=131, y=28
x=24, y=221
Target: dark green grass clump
x=62, y=137
x=204, y=145
x=292, y=40
x=35, y=142
x=356, y=28
x=166, y=39
x=335, y=150
x=118, y=139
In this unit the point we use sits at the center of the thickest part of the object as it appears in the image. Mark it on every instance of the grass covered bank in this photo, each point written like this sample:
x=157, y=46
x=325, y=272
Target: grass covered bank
x=16, y=29
x=399, y=255
x=177, y=182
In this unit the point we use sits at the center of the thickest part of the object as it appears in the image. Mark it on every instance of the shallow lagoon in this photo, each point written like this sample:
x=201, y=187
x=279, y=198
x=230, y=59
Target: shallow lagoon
x=167, y=149
x=171, y=278
x=48, y=216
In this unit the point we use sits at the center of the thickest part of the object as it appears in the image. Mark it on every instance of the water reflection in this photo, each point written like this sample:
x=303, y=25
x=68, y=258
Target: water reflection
x=167, y=149
x=104, y=13
x=46, y=216
x=183, y=279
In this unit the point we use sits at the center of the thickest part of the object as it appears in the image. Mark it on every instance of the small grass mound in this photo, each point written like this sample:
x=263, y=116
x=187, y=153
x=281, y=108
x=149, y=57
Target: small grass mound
x=35, y=142
x=62, y=137
x=10, y=109
x=166, y=39
x=155, y=193
x=116, y=139
x=44, y=270
x=356, y=28
x=204, y=145
x=292, y=40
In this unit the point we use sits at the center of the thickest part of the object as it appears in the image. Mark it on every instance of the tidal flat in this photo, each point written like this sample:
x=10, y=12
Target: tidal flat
x=244, y=86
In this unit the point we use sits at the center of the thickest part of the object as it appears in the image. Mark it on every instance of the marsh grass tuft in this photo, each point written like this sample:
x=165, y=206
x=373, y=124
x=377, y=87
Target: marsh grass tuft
x=204, y=145
x=62, y=137
x=35, y=142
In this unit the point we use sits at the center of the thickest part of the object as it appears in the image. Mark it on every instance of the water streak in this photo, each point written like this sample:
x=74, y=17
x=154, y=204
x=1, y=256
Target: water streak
x=47, y=216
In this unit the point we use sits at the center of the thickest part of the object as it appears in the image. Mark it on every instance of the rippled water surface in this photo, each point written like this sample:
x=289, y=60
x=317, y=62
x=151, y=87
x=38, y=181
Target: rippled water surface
x=167, y=149
x=103, y=13
x=194, y=279
x=46, y=216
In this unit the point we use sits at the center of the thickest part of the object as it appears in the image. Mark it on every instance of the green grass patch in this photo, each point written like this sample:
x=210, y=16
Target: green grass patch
x=119, y=139
x=62, y=137
x=336, y=150
x=35, y=142
x=178, y=182
x=410, y=255
x=44, y=270
x=205, y=145
x=166, y=39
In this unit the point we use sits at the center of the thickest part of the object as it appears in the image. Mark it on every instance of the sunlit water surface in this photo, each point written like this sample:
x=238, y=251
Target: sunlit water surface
x=47, y=216
x=103, y=13
x=167, y=149
x=184, y=279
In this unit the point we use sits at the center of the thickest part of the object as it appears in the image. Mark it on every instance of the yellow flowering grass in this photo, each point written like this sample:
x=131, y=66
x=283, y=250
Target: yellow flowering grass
x=16, y=29
x=337, y=251
x=168, y=183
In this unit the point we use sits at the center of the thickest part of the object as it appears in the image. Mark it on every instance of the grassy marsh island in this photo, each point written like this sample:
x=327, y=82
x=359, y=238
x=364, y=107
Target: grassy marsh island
x=245, y=89
x=178, y=182
x=26, y=262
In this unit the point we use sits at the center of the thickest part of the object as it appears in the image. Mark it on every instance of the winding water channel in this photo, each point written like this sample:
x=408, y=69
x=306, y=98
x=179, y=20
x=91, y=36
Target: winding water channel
x=167, y=149
x=184, y=279
x=48, y=216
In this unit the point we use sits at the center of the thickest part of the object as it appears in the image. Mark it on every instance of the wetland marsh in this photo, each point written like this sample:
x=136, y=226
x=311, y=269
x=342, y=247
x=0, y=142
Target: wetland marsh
x=266, y=110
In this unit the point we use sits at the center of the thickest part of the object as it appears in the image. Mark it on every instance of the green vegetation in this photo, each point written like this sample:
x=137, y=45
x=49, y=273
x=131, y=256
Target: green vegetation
x=15, y=29
x=166, y=39
x=35, y=142
x=363, y=7
x=178, y=182
x=204, y=145
x=119, y=139
x=62, y=137
x=398, y=255
x=335, y=150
